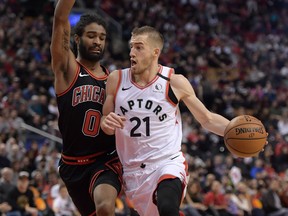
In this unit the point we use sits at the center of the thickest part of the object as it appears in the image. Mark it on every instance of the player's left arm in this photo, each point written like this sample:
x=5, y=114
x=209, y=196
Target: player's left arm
x=185, y=92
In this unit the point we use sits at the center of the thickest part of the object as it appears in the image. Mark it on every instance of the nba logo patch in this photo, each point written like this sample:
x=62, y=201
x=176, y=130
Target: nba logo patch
x=158, y=88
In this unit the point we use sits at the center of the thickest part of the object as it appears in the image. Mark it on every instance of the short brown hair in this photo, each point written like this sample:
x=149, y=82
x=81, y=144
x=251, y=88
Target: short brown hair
x=153, y=33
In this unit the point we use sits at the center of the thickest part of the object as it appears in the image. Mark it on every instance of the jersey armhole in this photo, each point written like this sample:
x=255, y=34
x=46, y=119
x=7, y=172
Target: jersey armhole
x=72, y=83
x=171, y=97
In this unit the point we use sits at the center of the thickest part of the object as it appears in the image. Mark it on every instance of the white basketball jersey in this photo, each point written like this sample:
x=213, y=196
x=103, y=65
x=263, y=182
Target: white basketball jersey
x=153, y=128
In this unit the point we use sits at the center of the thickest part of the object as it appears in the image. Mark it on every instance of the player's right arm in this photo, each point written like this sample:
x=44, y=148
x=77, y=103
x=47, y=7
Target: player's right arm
x=185, y=92
x=63, y=60
x=110, y=120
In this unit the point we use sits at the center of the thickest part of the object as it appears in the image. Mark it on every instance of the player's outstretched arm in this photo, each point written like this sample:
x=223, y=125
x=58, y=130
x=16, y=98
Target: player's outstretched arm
x=110, y=120
x=63, y=60
x=185, y=92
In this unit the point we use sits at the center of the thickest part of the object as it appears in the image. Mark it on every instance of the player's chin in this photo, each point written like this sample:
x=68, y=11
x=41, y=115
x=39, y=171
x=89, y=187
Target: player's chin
x=95, y=56
x=133, y=69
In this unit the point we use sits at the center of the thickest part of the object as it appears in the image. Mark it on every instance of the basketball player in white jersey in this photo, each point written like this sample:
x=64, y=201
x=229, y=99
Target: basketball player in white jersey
x=141, y=109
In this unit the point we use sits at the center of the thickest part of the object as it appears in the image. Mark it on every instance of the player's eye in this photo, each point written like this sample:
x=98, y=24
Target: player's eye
x=90, y=36
x=138, y=48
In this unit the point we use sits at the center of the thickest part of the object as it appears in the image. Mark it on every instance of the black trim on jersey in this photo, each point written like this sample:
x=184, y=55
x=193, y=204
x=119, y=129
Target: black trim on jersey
x=105, y=70
x=171, y=94
x=166, y=78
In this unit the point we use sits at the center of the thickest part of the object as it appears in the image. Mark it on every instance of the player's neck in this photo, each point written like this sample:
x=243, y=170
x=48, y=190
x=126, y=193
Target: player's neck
x=93, y=67
x=147, y=76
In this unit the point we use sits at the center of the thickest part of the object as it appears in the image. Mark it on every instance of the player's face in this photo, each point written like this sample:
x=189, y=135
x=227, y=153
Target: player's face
x=92, y=43
x=141, y=54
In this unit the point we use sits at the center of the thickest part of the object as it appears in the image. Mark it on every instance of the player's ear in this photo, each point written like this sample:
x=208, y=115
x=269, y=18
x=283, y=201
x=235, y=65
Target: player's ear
x=76, y=38
x=157, y=52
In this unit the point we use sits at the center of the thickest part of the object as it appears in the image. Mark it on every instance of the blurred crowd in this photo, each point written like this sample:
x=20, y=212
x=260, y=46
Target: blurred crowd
x=235, y=54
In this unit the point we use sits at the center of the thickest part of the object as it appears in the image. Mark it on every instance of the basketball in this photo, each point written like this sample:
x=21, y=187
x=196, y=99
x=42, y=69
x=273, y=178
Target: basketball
x=245, y=136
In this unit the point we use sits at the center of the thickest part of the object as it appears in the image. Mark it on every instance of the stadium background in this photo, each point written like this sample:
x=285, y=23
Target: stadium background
x=233, y=52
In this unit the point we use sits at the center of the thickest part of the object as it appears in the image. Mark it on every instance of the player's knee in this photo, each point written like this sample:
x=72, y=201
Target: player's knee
x=105, y=209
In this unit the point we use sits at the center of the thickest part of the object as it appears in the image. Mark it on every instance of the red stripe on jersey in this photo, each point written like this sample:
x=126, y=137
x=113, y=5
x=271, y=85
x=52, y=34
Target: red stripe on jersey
x=118, y=84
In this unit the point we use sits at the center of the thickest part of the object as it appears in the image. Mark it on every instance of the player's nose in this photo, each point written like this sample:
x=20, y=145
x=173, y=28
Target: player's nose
x=132, y=53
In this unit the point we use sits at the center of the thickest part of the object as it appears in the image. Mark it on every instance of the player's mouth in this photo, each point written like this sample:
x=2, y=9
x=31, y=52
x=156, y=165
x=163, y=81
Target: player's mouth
x=133, y=63
x=96, y=50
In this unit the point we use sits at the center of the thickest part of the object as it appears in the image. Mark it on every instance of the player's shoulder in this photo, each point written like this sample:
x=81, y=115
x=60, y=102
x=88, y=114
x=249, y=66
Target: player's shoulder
x=113, y=77
x=177, y=78
x=114, y=73
x=117, y=73
x=181, y=85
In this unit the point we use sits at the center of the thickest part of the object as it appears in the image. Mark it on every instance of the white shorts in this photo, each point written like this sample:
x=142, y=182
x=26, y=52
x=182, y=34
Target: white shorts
x=140, y=183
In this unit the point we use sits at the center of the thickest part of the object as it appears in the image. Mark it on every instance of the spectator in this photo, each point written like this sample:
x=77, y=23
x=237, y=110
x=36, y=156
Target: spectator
x=6, y=181
x=53, y=109
x=271, y=200
x=258, y=168
x=193, y=201
x=215, y=199
x=38, y=186
x=283, y=123
x=15, y=149
x=219, y=167
x=219, y=54
x=210, y=178
x=256, y=193
x=5, y=186
x=29, y=91
x=282, y=159
x=51, y=190
x=242, y=199
x=21, y=198
x=63, y=205
x=284, y=193
x=232, y=207
x=4, y=160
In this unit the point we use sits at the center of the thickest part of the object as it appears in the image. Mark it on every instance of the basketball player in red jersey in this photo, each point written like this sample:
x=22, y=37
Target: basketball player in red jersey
x=141, y=109
x=89, y=165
